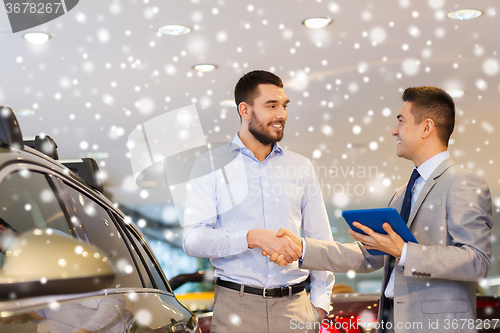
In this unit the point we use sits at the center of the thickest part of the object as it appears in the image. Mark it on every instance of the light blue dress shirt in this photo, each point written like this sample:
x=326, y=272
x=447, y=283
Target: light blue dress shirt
x=242, y=194
x=425, y=170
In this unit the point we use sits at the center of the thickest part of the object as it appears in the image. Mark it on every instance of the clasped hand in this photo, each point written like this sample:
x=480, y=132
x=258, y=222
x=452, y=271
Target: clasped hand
x=390, y=243
x=281, y=258
x=271, y=242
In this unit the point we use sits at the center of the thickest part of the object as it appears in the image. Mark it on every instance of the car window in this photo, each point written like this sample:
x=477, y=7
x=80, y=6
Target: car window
x=148, y=261
x=155, y=270
x=141, y=263
x=101, y=231
x=27, y=201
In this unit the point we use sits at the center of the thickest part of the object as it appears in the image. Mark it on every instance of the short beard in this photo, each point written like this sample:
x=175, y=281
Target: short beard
x=255, y=127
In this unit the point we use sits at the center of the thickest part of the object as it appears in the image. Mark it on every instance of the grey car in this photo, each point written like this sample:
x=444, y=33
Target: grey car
x=70, y=261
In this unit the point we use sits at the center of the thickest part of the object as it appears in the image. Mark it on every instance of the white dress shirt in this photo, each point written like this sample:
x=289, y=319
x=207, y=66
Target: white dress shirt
x=281, y=191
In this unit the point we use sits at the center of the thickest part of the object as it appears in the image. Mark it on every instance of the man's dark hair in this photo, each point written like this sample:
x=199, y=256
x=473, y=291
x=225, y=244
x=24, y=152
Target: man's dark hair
x=432, y=103
x=246, y=89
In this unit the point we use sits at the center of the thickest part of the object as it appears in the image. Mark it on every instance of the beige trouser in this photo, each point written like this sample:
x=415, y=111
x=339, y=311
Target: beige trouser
x=243, y=312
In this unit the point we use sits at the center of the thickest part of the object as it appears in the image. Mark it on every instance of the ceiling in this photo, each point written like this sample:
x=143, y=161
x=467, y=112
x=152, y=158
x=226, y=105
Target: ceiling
x=106, y=70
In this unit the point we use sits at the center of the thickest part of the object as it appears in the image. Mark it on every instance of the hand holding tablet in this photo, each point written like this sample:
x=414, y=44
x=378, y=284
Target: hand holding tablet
x=374, y=219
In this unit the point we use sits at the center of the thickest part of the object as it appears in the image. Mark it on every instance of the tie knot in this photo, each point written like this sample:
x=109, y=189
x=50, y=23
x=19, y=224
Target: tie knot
x=413, y=178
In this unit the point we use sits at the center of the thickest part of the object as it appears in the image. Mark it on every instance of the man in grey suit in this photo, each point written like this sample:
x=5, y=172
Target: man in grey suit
x=429, y=286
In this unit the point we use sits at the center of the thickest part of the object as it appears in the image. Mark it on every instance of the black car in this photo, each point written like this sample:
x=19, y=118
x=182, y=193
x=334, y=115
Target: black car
x=70, y=261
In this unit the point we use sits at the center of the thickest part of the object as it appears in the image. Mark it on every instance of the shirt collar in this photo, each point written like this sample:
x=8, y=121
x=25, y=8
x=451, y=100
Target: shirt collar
x=427, y=168
x=238, y=144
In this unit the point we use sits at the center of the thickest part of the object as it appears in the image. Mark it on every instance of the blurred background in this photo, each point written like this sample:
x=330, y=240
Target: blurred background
x=109, y=66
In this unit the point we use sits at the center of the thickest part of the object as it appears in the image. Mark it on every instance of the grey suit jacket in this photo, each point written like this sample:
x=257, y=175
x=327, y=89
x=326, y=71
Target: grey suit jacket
x=451, y=221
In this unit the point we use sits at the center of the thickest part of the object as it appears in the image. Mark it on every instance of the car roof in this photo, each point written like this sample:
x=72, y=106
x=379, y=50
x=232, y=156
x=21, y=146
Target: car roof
x=28, y=155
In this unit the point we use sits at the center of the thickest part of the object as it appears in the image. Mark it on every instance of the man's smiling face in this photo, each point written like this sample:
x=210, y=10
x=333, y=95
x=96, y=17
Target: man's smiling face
x=407, y=133
x=268, y=114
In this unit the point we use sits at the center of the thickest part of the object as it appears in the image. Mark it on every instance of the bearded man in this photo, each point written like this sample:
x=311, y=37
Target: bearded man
x=232, y=216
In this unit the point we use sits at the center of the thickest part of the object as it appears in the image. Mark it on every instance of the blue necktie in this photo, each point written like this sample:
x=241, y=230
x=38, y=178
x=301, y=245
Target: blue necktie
x=405, y=214
x=405, y=210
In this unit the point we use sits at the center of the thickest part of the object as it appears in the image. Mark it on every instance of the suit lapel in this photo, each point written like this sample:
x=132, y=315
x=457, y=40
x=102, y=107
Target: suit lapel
x=428, y=186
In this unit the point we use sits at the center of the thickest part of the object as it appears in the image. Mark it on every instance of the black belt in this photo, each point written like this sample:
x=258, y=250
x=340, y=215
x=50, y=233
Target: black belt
x=264, y=292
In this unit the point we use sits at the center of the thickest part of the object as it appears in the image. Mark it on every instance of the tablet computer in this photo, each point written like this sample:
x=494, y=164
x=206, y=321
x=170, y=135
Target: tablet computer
x=374, y=218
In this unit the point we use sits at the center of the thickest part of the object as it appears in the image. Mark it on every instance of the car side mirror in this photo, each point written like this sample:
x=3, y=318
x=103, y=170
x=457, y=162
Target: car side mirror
x=48, y=262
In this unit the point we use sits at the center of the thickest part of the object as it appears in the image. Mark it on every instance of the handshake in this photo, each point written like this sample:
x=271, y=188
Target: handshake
x=283, y=247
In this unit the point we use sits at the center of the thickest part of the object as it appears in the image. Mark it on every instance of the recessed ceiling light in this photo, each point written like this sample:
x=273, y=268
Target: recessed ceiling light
x=37, y=37
x=98, y=155
x=456, y=93
x=174, y=30
x=205, y=67
x=317, y=22
x=451, y=142
x=228, y=103
x=464, y=14
x=24, y=112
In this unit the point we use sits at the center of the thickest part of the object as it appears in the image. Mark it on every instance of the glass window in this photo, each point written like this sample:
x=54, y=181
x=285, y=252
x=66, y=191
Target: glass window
x=135, y=249
x=27, y=201
x=101, y=231
x=156, y=275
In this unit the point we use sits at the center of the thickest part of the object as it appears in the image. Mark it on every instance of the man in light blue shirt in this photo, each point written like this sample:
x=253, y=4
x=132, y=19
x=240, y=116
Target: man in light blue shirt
x=233, y=213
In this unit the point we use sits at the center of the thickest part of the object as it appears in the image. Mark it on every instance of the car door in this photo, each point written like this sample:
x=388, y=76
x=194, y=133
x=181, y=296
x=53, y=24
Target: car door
x=98, y=228
x=131, y=310
x=166, y=299
x=136, y=266
x=33, y=197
